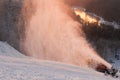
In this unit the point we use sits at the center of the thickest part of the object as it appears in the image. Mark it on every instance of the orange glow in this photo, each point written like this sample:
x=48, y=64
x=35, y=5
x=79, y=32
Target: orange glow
x=86, y=17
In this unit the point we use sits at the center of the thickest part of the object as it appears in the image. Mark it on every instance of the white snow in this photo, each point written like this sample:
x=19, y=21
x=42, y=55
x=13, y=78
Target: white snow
x=7, y=50
x=15, y=66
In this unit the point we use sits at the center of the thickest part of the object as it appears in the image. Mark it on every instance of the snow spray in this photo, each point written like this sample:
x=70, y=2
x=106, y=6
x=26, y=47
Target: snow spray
x=49, y=30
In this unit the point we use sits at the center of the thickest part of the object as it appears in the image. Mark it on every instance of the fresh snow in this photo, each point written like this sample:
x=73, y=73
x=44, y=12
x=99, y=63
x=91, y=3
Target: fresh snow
x=15, y=66
x=7, y=50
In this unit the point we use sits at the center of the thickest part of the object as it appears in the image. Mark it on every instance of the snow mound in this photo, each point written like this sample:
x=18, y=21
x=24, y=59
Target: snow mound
x=7, y=50
x=15, y=66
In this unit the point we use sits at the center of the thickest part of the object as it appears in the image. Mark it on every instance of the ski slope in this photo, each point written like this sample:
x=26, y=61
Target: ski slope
x=15, y=66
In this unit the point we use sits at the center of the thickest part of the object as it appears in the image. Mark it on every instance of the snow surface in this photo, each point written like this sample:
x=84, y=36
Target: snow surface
x=15, y=66
x=7, y=50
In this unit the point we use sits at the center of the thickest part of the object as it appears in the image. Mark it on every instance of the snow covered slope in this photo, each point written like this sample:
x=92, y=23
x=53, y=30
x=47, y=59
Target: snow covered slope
x=7, y=50
x=15, y=66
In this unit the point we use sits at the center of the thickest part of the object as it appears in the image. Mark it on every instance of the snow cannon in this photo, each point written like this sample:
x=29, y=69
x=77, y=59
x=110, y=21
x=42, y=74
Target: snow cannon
x=113, y=72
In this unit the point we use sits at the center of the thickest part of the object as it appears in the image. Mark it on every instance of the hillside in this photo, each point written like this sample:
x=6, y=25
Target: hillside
x=18, y=67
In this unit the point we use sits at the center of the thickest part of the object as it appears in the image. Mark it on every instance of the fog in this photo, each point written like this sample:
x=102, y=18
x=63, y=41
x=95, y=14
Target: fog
x=53, y=33
x=47, y=30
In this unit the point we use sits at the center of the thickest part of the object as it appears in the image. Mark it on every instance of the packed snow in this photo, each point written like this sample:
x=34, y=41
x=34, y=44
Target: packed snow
x=15, y=66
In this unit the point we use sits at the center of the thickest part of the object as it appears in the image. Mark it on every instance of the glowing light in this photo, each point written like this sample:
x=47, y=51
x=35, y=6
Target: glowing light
x=86, y=17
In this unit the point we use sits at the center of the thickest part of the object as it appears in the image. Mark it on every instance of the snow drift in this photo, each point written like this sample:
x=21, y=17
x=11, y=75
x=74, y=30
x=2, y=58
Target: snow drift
x=14, y=66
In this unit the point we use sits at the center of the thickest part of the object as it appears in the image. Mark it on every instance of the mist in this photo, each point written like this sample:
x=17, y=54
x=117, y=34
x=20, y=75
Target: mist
x=47, y=30
x=53, y=33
